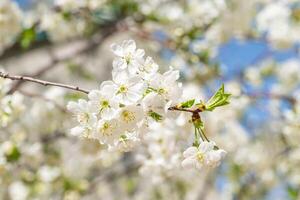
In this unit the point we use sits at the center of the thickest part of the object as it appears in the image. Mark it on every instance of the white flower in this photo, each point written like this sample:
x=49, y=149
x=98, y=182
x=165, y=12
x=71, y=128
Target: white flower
x=273, y=13
x=148, y=68
x=108, y=131
x=85, y=117
x=104, y=103
x=154, y=102
x=48, y=173
x=167, y=86
x=128, y=90
x=18, y=191
x=128, y=56
x=130, y=116
x=83, y=112
x=70, y=4
x=204, y=155
x=127, y=142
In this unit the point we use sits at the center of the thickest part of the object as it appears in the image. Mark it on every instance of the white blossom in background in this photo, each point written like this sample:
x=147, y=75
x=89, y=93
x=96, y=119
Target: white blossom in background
x=288, y=73
x=48, y=173
x=18, y=191
x=276, y=19
x=60, y=28
x=206, y=10
x=162, y=153
x=10, y=23
x=69, y=5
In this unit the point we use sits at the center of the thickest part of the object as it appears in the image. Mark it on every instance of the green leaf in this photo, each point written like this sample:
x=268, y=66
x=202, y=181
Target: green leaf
x=157, y=117
x=292, y=192
x=13, y=155
x=27, y=37
x=187, y=104
x=220, y=98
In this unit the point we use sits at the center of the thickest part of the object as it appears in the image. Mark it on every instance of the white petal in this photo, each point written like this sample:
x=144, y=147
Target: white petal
x=188, y=163
x=133, y=96
x=198, y=165
x=140, y=53
x=129, y=45
x=206, y=146
x=171, y=76
x=190, y=152
x=94, y=95
x=119, y=64
x=117, y=49
x=73, y=107
x=133, y=67
x=77, y=131
x=120, y=76
x=109, y=88
x=108, y=113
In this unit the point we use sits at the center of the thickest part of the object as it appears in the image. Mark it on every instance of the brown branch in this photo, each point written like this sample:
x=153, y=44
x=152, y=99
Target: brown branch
x=267, y=95
x=42, y=82
x=199, y=109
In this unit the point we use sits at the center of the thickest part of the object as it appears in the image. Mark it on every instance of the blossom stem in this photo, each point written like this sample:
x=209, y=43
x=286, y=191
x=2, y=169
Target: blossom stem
x=201, y=131
x=196, y=142
x=201, y=136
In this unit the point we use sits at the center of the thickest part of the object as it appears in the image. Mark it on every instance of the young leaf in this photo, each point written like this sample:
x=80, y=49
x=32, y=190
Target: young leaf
x=27, y=37
x=157, y=117
x=187, y=104
x=220, y=98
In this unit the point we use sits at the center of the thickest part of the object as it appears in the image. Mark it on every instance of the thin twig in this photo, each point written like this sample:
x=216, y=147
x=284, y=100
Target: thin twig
x=42, y=82
x=290, y=99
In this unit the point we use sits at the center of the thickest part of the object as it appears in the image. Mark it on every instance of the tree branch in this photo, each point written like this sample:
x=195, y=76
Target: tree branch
x=42, y=82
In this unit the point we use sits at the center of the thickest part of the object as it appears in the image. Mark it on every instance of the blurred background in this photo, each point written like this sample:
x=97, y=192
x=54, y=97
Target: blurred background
x=250, y=46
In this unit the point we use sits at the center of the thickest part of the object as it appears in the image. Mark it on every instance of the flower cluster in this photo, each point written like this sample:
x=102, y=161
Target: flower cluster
x=119, y=113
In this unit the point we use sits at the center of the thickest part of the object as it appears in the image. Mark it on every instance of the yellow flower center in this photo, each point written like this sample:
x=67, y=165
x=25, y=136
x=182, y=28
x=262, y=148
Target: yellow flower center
x=83, y=118
x=104, y=104
x=123, y=89
x=127, y=58
x=128, y=116
x=161, y=91
x=200, y=157
x=106, y=129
